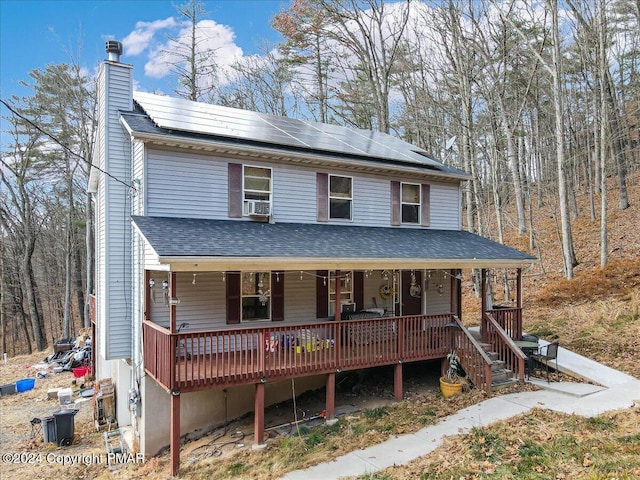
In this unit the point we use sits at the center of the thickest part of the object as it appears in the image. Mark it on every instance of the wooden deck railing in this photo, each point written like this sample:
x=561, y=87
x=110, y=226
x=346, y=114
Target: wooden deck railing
x=510, y=319
x=188, y=361
x=504, y=345
x=473, y=358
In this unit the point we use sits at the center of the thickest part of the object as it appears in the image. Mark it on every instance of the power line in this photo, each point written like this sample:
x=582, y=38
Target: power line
x=58, y=142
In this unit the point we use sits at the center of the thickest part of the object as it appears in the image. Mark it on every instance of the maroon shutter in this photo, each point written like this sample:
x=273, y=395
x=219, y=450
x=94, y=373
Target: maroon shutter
x=277, y=296
x=322, y=196
x=425, y=207
x=395, y=203
x=233, y=297
x=235, y=190
x=322, y=294
x=358, y=290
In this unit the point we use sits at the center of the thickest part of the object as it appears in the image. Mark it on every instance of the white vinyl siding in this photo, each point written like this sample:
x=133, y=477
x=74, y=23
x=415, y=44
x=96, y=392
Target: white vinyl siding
x=201, y=191
x=299, y=297
x=186, y=185
x=445, y=206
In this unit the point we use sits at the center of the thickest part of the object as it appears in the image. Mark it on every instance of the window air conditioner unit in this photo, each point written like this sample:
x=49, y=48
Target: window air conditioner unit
x=257, y=208
x=348, y=308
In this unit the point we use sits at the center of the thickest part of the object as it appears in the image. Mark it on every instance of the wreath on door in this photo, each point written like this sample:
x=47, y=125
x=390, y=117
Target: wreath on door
x=386, y=291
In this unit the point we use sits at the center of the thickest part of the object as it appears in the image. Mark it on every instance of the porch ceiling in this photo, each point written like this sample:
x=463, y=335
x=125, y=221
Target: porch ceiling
x=186, y=244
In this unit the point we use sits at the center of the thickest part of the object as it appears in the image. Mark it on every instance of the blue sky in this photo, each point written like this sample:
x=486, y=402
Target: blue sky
x=36, y=33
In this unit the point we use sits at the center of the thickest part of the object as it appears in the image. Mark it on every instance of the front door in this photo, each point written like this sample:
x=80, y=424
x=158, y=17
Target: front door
x=411, y=299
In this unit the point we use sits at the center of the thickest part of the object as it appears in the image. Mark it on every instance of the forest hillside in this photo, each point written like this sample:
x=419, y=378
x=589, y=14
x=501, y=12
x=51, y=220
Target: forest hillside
x=596, y=314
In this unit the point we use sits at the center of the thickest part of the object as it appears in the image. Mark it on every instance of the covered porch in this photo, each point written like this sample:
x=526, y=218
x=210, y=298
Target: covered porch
x=185, y=355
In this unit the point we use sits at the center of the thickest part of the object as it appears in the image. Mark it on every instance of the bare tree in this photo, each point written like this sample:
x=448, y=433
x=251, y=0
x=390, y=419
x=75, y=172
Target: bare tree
x=374, y=37
x=191, y=57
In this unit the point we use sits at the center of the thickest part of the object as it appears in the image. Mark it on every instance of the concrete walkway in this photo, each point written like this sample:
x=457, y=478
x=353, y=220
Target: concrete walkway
x=614, y=390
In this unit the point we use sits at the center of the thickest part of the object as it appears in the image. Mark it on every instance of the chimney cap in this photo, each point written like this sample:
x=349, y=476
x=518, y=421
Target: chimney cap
x=114, y=49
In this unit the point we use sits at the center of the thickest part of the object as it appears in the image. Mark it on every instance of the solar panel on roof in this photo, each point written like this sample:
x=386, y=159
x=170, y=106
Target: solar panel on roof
x=188, y=116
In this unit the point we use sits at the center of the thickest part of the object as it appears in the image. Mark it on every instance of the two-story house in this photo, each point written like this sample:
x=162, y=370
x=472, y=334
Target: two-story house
x=236, y=251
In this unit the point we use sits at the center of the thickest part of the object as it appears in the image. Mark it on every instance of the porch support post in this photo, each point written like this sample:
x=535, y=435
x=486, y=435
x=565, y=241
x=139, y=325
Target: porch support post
x=519, y=289
x=174, y=445
x=338, y=295
x=483, y=289
x=172, y=308
x=519, y=304
x=397, y=382
x=483, y=295
x=330, y=408
x=453, y=292
x=258, y=418
x=147, y=295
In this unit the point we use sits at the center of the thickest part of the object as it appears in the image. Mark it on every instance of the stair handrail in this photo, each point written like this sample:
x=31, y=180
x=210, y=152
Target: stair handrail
x=480, y=377
x=515, y=357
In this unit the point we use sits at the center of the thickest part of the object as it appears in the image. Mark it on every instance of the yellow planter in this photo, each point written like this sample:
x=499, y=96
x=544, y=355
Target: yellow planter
x=449, y=389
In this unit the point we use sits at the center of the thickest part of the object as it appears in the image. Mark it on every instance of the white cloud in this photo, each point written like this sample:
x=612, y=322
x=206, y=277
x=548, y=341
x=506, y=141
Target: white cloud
x=212, y=36
x=142, y=37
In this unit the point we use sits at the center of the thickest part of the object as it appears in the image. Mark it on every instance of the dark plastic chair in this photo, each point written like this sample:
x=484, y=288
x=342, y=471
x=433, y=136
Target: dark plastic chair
x=36, y=427
x=545, y=354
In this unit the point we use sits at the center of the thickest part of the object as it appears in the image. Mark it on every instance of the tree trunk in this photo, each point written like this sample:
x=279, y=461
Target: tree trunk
x=604, y=140
x=30, y=290
x=565, y=220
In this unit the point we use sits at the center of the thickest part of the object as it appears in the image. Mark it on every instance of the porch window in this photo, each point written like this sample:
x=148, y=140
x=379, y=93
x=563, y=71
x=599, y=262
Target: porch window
x=410, y=203
x=340, y=197
x=346, y=290
x=256, y=296
x=256, y=190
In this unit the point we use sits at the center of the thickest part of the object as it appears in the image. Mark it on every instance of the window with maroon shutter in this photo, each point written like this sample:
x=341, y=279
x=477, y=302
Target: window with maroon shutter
x=346, y=290
x=256, y=296
x=410, y=202
x=340, y=197
x=322, y=196
x=257, y=188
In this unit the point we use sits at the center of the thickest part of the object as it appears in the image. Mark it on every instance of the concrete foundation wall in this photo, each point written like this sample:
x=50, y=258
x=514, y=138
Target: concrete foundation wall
x=200, y=410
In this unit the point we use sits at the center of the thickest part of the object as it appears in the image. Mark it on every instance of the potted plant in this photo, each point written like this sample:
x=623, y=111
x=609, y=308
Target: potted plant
x=451, y=382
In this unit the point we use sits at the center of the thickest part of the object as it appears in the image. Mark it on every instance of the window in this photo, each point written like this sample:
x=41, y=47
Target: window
x=410, y=203
x=256, y=190
x=346, y=290
x=256, y=296
x=340, y=197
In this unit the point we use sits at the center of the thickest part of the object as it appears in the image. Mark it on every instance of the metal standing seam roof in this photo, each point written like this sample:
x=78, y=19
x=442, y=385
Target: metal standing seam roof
x=188, y=119
x=175, y=238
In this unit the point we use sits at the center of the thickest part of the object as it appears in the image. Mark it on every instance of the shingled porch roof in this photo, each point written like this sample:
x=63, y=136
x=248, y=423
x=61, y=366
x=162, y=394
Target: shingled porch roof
x=187, y=244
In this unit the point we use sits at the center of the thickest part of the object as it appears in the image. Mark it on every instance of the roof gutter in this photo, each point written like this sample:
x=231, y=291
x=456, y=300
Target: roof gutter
x=223, y=264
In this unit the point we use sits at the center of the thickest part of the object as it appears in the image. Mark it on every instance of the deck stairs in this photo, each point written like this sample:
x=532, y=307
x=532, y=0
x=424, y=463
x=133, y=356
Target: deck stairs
x=501, y=377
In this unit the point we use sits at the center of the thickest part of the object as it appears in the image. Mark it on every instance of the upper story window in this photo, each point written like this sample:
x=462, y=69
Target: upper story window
x=340, y=197
x=256, y=296
x=257, y=188
x=411, y=202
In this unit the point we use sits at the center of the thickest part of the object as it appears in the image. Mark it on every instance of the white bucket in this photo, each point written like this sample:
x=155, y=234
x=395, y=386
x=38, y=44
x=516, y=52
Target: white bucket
x=64, y=396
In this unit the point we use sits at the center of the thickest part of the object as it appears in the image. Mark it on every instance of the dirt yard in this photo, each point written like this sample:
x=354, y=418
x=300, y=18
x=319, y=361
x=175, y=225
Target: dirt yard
x=25, y=455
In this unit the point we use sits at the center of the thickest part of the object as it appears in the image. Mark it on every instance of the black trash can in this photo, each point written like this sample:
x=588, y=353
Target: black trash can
x=65, y=426
x=49, y=430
